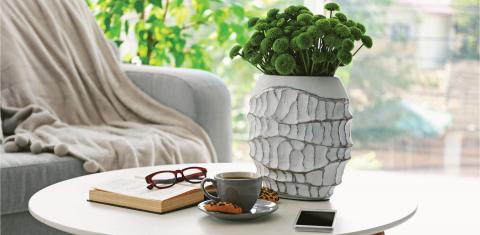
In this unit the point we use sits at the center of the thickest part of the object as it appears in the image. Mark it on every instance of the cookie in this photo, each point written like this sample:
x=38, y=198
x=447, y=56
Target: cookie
x=268, y=194
x=224, y=207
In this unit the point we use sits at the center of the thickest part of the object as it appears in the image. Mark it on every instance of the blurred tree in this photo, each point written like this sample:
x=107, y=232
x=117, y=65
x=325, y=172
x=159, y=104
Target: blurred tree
x=467, y=18
x=165, y=29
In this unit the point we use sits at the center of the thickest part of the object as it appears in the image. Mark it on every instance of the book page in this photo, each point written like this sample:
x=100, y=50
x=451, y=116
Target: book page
x=138, y=188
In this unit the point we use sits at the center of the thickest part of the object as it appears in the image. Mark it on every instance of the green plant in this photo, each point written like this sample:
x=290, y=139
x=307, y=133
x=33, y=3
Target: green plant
x=171, y=32
x=297, y=42
x=467, y=29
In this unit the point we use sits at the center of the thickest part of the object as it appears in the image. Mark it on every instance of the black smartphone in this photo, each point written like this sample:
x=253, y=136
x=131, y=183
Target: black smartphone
x=315, y=220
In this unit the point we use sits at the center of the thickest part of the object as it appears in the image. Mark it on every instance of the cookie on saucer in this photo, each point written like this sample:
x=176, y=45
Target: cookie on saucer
x=269, y=195
x=224, y=207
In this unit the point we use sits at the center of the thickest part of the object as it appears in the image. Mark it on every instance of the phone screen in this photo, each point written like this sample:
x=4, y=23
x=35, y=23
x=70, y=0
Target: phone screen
x=316, y=218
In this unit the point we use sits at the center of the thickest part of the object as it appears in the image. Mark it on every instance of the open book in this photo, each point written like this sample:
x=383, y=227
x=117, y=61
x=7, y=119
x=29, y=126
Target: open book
x=133, y=193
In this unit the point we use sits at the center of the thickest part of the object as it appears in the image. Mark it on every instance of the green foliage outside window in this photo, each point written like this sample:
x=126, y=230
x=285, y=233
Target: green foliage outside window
x=166, y=30
x=466, y=29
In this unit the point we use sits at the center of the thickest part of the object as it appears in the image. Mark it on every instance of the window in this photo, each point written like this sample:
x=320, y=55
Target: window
x=414, y=96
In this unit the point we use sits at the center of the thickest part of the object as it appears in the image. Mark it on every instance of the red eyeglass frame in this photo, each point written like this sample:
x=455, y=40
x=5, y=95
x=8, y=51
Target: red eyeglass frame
x=151, y=182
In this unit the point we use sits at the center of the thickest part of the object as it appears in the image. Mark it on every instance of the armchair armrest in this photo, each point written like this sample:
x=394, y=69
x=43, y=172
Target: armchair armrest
x=198, y=94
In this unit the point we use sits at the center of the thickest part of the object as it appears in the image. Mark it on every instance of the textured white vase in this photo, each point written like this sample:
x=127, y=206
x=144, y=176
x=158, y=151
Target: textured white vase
x=300, y=134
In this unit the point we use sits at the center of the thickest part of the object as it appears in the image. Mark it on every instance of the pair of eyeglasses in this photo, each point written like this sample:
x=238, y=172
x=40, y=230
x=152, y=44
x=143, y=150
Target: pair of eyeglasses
x=166, y=179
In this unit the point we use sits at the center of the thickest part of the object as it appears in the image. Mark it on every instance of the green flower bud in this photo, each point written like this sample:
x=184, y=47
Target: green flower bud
x=266, y=45
x=235, y=51
x=296, y=33
x=304, y=19
x=367, y=41
x=256, y=58
x=292, y=11
x=257, y=38
x=248, y=50
x=305, y=11
x=318, y=17
x=289, y=29
x=361, y=27
x=285, y=64
x=324, y=25
x=281, y=15
x=313, y=30
x=272, y=13
x=332, y=41
x=274, y=33
x=293, y=23
x=281, y=45
x=274, y=57
x=261, y=26
x=261, y=21
x=347, y=44
x=304, y=41
x=333, y=22
x=273, y=23
x=340, y=16
x=342, y=31
x=252, y=21
x=293, y=43
x=344, y=56
x=350, y=23
x=280, y=22
x=331, y=6
x=356, y=33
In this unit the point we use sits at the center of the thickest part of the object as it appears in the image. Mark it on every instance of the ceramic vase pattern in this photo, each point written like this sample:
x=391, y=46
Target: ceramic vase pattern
x=299, y=136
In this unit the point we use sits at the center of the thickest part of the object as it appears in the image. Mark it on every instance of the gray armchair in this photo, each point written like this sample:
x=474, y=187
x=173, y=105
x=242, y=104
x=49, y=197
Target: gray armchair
x=200, y=95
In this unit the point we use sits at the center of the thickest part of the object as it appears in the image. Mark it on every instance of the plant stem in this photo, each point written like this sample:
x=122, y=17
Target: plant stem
x=308, y=62
x=197, y=23
x=166, y=9
x=256, y=66
x=260, y=69
x=313, y=63
x=303, y=60
x=357, y=50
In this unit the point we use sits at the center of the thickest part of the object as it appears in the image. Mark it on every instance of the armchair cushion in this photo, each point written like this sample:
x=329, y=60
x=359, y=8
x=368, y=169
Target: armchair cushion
x=23, y=174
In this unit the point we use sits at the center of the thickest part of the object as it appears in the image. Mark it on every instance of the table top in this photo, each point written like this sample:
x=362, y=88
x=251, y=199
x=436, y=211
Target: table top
x=366, y=203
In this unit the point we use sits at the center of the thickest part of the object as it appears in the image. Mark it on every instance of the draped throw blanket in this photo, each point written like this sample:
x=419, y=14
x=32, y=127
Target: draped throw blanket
x=63, y=91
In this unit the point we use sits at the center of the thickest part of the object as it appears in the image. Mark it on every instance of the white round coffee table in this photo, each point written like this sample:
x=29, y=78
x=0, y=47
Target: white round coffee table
x=366, y=203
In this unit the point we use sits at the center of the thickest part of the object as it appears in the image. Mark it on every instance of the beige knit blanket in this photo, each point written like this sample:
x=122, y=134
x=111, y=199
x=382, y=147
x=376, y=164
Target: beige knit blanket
x=62, y=91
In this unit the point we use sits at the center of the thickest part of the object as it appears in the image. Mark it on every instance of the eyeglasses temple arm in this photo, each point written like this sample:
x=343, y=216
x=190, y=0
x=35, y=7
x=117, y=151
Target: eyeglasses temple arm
x=194, y=175
x=166, y=181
